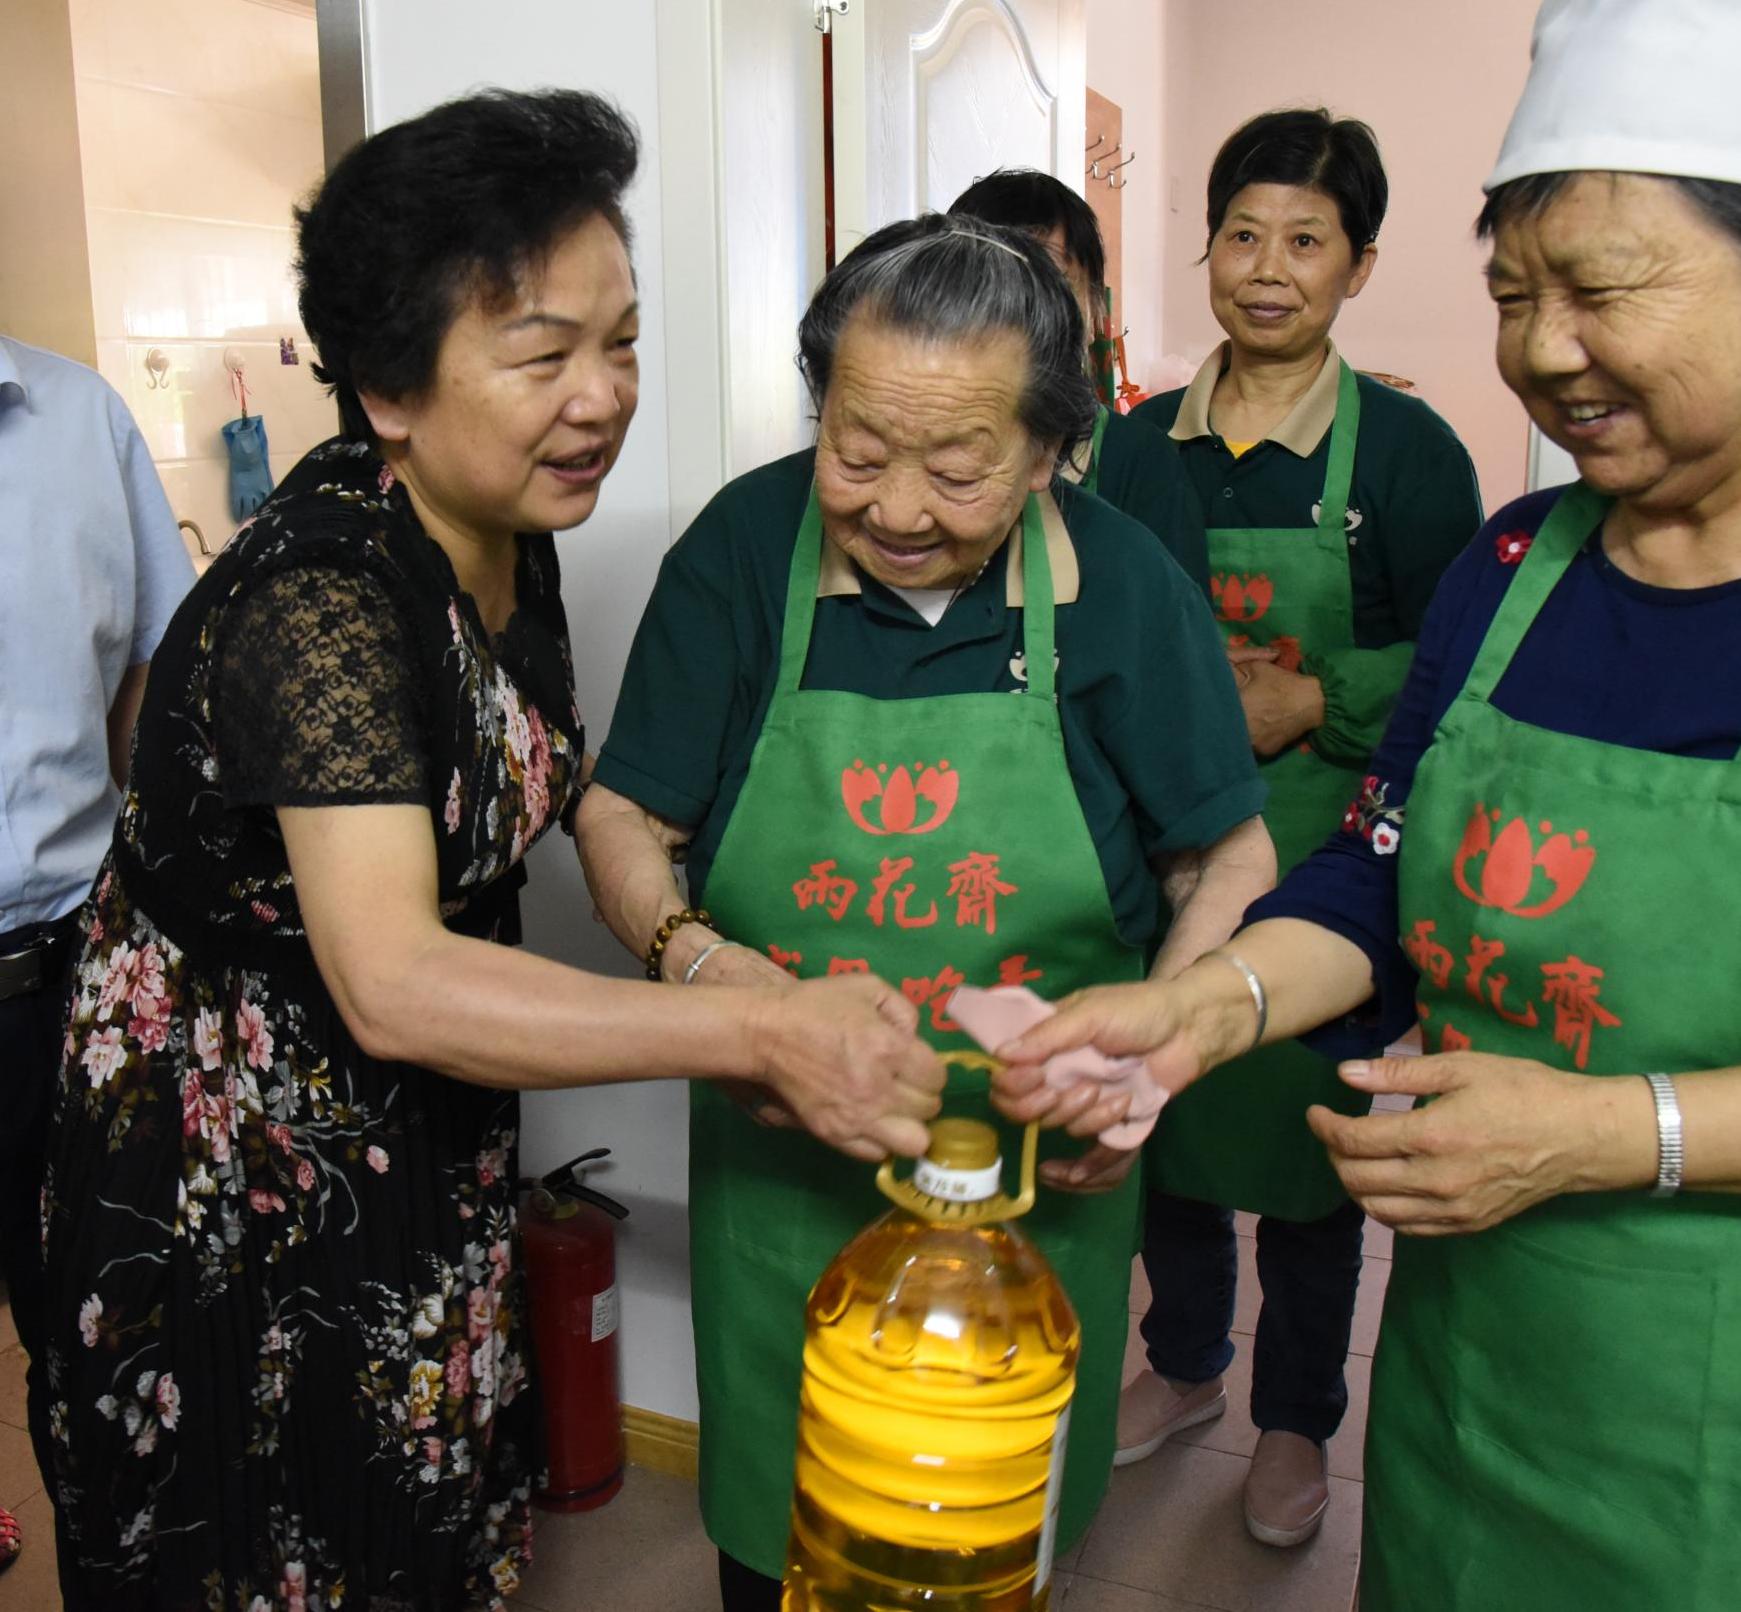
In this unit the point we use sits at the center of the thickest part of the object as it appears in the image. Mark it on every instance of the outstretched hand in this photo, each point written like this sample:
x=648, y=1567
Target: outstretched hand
x=1143, y=1020
x=841, y=1054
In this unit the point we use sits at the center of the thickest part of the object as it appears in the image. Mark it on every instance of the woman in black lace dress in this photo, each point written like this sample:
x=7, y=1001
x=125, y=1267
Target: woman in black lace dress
x=288, y=1360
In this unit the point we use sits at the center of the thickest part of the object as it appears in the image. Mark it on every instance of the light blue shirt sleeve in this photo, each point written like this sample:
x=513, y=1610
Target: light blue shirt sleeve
x=92, y=568
x=162, y=571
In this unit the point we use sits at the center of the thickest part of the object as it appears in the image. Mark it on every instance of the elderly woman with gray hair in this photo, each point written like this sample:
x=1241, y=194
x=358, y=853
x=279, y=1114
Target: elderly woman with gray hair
x=915, y=708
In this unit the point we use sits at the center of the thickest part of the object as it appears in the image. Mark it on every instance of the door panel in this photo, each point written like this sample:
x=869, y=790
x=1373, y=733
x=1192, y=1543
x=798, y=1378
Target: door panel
x=950, y=90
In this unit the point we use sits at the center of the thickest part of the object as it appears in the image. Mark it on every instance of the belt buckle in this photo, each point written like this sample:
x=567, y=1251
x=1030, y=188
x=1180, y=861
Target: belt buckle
x=23, y=971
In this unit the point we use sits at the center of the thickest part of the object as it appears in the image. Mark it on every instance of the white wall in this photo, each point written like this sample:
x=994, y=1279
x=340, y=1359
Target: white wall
x=726, y=218
x=45, y=283
x=200, y=126
x=419, y=52
x=1125, y=44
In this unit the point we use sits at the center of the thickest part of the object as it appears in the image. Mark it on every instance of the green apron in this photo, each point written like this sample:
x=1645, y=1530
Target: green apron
x=934, y=842
x=1556, y=1403
x=1241, y=1138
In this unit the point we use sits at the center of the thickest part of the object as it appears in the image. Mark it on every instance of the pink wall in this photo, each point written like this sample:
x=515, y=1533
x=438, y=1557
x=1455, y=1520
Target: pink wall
x=1438, y=84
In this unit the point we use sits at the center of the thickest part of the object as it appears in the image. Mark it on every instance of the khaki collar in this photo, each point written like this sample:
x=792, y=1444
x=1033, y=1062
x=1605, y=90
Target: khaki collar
x=1302, y=430
x=838, y=577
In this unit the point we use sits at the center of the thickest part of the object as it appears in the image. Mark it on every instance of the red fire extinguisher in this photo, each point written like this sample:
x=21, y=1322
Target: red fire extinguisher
x=569, y=1238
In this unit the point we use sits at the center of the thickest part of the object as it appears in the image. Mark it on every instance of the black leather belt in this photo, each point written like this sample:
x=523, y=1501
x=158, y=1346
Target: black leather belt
x=30, y=959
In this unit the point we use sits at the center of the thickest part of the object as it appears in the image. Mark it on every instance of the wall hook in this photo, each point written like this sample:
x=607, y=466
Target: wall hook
x=157, y=367
x=826, y=11
x=1095, y=171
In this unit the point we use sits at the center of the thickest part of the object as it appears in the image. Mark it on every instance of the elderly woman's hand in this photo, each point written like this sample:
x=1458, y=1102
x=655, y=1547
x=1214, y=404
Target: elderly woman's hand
x=1167, y=1024
x=1503, y=1135
x=842, y=1055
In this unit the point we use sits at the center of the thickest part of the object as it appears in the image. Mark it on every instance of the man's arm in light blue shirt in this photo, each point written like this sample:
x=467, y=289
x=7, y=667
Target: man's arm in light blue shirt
x=162, y=573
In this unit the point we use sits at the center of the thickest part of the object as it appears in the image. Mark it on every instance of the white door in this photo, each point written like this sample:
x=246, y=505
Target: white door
x=931, y=94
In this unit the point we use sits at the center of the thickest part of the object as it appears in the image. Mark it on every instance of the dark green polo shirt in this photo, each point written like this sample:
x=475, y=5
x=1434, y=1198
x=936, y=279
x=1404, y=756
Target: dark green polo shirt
x=1413, y=507
x=1140, y=473
x=1153, y=733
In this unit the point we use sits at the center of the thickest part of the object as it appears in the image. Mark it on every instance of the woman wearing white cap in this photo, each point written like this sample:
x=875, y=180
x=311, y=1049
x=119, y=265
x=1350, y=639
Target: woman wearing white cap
x=1553, y=829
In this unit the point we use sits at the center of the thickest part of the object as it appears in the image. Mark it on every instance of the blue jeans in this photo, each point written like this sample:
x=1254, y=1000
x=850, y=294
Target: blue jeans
x=1309, y=1271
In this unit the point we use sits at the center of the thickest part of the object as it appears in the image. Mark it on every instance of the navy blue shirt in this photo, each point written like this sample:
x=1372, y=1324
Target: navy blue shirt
x=1608, y=658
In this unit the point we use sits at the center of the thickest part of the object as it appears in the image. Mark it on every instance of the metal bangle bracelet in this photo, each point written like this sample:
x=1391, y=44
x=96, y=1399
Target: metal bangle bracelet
x=702, y=956
x=1671, y=1156
x=1259, y=996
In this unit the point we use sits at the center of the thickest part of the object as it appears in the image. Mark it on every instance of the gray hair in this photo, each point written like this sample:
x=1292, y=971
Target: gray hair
x=957, y=279
x=1530, y=195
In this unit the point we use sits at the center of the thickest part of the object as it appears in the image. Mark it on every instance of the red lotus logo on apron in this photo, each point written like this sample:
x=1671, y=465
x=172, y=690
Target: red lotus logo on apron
x=1241, y=598
x=897, y=796
x=1510, y=861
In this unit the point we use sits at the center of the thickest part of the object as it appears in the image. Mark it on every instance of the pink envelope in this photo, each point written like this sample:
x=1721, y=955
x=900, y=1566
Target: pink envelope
x=997, y=1016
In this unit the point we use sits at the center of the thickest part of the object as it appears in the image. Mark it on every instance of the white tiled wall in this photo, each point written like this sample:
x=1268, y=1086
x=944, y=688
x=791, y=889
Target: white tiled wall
x=199, y=123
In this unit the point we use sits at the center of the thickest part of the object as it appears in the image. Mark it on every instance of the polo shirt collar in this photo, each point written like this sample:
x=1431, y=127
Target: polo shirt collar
x=839, y=578
x=1300, y=433
x=12, y=387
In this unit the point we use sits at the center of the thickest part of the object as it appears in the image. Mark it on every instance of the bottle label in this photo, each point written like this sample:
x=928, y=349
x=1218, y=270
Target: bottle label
x=604, y=1313
x=1054, y=1499
x=957, y=1186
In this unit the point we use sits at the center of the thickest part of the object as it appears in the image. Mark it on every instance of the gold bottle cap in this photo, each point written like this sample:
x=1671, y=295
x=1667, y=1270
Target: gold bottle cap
x=959, y=1181
x=962, y=1144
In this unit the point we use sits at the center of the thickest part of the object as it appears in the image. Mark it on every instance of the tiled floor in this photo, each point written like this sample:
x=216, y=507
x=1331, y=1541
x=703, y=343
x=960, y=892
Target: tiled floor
x=1170, y=1538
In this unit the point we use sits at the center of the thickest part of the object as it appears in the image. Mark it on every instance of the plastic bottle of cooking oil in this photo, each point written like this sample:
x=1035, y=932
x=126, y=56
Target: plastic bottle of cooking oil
x=939, y=1361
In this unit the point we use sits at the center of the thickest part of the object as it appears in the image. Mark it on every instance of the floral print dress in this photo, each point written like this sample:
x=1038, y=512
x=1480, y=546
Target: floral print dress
x=287, y=1365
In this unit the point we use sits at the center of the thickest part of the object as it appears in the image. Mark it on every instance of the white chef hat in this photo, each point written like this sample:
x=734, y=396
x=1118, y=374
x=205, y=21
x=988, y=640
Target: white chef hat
x=1632, y=86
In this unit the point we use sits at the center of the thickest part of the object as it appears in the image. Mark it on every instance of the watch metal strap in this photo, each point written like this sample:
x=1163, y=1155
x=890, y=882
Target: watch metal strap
x=1671, y=1154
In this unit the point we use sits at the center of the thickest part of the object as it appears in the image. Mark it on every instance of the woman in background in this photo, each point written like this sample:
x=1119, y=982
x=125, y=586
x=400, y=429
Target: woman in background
x=1334, y=504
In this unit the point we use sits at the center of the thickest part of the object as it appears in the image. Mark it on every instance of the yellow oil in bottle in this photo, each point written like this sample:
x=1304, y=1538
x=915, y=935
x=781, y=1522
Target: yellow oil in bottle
x=939, y=1362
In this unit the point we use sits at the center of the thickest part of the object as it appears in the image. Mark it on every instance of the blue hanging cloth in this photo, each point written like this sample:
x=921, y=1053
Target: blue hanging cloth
x=250, y=466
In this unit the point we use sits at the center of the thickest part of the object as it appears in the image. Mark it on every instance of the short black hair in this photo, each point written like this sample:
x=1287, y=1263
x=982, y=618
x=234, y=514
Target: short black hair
x=462, y=201
x=1529, y=196
x=1309, y=148
x=948, y=279
x=1025, y=198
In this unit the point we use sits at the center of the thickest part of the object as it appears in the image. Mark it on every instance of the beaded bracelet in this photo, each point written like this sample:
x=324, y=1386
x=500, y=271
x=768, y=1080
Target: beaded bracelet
x=656, y=952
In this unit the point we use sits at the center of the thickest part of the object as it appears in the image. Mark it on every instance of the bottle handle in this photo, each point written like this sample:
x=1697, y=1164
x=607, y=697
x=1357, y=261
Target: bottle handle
x=1000, y=1206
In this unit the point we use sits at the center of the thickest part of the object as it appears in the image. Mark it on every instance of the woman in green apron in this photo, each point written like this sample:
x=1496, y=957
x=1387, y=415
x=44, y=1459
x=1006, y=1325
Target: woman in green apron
x=1120, y=462
x=1334, y=504
x=1551, y=829
x=915, y=715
